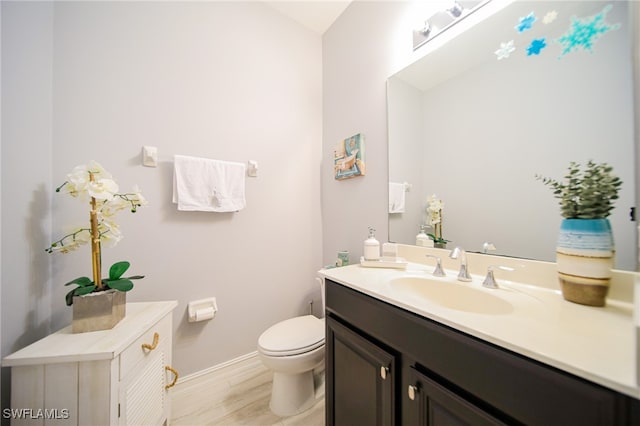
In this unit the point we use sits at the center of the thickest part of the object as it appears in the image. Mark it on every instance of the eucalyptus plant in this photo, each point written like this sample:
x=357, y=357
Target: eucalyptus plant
x=586, y=193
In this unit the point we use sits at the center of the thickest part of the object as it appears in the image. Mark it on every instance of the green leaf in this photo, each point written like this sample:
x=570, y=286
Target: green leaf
x=117, y=269
x=69, y=297
x=121, y=284
x=80, y=291
x=81, y=281
x=587, y=192
x=134, y=277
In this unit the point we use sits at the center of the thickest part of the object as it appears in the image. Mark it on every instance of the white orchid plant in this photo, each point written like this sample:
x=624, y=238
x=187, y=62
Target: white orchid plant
x=93, y=184
x=434, y=218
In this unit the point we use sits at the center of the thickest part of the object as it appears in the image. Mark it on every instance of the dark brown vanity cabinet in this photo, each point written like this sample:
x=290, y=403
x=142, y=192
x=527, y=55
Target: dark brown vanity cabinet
x=431, y=403
x=363, y=376
x=388, y=366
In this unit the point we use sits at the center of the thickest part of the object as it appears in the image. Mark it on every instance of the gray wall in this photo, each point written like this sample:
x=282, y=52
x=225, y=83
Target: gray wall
x=98, y=80
x=27, y=60
x=369, y=42
x=634, y=18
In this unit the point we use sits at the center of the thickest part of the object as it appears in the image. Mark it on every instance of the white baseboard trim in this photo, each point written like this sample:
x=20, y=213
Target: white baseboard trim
x=250, y=358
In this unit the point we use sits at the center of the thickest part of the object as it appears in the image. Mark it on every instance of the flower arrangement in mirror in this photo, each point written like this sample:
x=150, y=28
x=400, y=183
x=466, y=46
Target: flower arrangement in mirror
x=434, y=220
x=91, y=183
x=585, y=249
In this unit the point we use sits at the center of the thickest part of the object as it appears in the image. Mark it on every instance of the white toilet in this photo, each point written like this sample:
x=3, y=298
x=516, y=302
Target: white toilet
x=293, y=348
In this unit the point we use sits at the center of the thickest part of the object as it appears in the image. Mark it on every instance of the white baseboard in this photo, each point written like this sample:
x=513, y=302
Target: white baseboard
x=242, y=362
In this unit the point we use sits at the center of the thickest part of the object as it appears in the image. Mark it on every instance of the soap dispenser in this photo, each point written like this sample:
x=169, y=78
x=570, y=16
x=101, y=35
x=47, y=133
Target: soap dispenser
x=422, y=239
x=371, y=246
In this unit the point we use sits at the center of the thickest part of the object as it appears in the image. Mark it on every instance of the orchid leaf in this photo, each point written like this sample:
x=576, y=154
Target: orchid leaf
x=115, y=281
x=81, y=281
x=78, y=291
x=81, y=291
x=121, y=284
x=134, y=277
x=117, y=269
x=69, y=297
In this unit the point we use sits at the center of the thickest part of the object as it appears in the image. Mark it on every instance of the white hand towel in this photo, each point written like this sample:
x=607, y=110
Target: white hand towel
x=396, y=197
x=202, y=184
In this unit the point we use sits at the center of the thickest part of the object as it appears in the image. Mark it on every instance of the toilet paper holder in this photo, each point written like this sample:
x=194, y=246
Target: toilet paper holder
x=202, y=310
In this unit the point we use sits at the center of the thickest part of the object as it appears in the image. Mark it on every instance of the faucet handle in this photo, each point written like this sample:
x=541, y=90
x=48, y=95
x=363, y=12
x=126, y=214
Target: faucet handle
x=490, y=280
x=463, y=275
x=438, y=272
x=487, y=247
x=456, y=253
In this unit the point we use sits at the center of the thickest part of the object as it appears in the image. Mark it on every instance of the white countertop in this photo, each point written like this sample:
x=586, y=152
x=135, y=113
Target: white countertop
x=597, y=344
x=65, y=346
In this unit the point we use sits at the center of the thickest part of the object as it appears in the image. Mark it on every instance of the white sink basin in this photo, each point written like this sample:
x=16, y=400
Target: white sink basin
x=452, y=295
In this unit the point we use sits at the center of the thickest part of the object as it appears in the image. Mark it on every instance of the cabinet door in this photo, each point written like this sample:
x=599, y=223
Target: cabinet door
x=361, y=379
x=429, y=403
x=142, y=393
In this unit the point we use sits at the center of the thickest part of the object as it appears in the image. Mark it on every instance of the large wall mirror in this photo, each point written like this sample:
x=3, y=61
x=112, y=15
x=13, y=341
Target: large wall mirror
x=475, y=129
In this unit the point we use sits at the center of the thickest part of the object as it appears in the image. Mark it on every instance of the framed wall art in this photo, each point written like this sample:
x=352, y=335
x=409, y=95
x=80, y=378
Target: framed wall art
x=348, y=158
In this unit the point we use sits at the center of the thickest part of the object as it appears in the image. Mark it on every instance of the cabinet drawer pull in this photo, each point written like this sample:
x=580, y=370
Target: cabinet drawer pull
x=383, y=372
x=175, y=377
x=412, y=391
x=153, y=345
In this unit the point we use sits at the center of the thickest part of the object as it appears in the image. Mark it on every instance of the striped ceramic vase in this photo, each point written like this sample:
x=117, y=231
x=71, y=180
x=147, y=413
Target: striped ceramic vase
x=585, y=257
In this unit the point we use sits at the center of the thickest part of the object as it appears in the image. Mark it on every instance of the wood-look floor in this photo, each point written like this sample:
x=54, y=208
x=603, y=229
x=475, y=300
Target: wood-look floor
x=239, y=397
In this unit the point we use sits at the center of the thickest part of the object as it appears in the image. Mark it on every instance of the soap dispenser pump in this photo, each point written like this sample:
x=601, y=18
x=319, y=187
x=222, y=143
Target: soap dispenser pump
x=371, y=246
x=422, y=239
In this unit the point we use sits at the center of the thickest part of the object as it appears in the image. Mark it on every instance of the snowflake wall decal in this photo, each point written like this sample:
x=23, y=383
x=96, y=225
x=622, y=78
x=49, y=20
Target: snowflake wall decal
x=526, y=23
x=536, y=46
x=550, y=17
x=506, y=48
x=583, y=33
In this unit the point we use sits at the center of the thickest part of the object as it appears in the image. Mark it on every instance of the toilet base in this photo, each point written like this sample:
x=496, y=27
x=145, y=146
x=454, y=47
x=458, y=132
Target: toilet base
x=292, y=393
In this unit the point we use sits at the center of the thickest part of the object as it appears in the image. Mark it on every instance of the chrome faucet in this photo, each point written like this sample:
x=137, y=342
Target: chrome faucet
x=456, y=253
x=437, y=272
x=490, y=280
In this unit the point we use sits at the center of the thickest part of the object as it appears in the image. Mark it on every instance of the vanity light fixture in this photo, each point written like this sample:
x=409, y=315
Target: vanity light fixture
x=426, y=30
x=453, y=12
x=455, y=9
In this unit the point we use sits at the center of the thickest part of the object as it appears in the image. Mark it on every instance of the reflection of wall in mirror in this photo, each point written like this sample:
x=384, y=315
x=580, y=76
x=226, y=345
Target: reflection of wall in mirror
x=405, y=164
x=487, y=131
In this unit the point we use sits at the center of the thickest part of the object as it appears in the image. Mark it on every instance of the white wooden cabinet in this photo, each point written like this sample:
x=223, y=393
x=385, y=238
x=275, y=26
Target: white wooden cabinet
x=120, y=376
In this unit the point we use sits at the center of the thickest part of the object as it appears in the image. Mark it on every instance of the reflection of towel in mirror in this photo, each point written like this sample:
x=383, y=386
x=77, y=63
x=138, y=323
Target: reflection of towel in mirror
x=201, y=184
x=396, y=197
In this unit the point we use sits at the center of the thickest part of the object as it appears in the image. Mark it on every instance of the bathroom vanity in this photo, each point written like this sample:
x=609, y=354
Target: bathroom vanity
x=397, y=361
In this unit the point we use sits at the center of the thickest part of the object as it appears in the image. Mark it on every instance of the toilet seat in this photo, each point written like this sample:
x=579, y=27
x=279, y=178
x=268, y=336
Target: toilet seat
x=293, y=336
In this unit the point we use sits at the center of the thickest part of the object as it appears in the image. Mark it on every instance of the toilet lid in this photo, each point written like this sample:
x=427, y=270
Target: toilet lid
x=293, y=336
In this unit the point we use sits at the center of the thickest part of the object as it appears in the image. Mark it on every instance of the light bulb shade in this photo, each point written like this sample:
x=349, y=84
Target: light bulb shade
x=455, y=10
